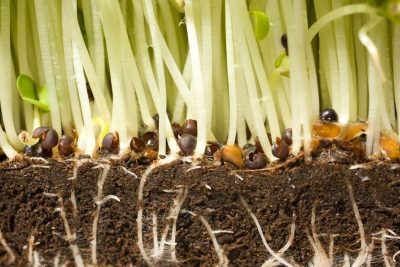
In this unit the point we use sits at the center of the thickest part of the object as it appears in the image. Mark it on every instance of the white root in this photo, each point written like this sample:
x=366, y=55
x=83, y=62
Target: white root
x=388, y=261
x=74, y=205
x=320, y=257
x=395, y=255
x=99, y=200
x=9, y=251
x=128, y=172
x=36, y=260
x=271, y=262
x=156, y=247
x=31, y=240
x=78, y=164
x=260, y=231
x=362, y=255
x=173, y=215
x=223, y=260
x=71, y=238
x=57, y=260
x=139, y=219
x=370, y=250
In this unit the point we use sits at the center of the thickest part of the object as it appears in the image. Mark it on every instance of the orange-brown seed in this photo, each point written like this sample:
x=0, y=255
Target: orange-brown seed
x=150, y=154
x=326, y=130
x=390, y=147
x=353, y=131
x=234, y=155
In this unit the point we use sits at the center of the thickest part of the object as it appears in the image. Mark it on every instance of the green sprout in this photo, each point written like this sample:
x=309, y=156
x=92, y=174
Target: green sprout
x=33, y=94
x=261, y=24
x=110, y=66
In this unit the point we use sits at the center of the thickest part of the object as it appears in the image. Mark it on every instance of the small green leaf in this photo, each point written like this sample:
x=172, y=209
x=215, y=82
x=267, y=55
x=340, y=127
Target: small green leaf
x=261, y=24
x=30, y=93
x=278, y=61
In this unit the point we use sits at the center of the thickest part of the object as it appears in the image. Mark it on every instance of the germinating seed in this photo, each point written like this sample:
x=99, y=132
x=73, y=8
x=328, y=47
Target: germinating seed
x=66, y=145
x=187, y=143
x=111, y=143
x=280, y=149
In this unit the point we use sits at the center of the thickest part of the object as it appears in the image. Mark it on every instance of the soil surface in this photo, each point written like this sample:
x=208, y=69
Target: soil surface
x=33, y=193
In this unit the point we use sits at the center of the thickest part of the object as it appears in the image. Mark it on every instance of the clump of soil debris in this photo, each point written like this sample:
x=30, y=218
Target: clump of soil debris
x=50, y=208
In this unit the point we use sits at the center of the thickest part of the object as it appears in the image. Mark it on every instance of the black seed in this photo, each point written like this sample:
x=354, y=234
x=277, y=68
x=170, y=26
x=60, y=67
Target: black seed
x=287, y=136
x=187, y=143
x=280, y=149
x=256, y=161
x=190, y=127
x=137, y=145
x=111, y=143
x=66, y=145
x=211, y=148
x=328, y=115
x=38, y=132
x=150, y=139
x=284, y=42
x=50, y=139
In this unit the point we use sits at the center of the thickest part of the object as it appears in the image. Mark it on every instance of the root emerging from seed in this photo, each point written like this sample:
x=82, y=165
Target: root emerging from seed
x=139, y=219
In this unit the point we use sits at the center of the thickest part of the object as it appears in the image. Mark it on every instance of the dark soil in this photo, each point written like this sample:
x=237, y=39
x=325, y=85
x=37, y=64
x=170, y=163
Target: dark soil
x=27, y=209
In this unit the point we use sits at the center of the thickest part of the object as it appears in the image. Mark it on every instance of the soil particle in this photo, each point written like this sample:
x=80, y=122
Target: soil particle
x=29, y=193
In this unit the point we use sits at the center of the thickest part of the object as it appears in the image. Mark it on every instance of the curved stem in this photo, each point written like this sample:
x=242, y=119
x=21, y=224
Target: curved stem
x=371, y=47
x=338, y=13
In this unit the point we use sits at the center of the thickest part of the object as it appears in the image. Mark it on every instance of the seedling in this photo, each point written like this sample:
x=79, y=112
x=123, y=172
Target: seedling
x=223, y=69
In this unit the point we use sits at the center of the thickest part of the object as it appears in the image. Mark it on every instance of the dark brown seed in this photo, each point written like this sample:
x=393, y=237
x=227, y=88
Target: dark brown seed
x=328, y=115
x=38, y=132
x=190, y=127
x=111, y=143
x=187, y=143
x=177, y=129
x=137, y=145
x=280, y=149
x=50, y=139
x=29, y=151
x=89, y=92
x=256, y=160
x=150, y=139
x=211, y=148
x=66, y=145
x=41, y=152
x=284, y=42
x=287, y=136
